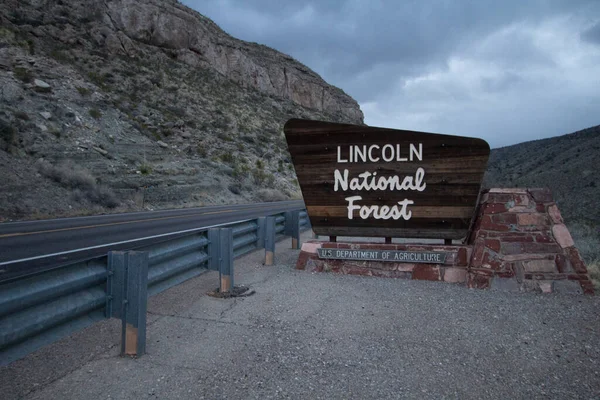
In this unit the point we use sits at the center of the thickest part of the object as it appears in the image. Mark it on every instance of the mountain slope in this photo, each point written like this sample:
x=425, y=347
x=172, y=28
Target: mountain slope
x=128, y=103
x=567, y=164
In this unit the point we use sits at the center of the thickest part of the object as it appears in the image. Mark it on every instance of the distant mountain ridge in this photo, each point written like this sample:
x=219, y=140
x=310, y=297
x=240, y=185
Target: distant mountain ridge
x=568, y=165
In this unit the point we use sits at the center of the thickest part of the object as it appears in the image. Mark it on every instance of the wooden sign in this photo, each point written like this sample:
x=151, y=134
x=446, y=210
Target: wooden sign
x=366, y=181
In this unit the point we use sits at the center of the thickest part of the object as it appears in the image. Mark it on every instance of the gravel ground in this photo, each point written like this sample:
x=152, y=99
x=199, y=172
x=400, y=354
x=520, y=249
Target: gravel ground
x=322, y=336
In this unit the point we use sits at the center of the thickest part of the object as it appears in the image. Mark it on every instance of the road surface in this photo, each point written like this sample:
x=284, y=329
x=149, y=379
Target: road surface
x=33, y=246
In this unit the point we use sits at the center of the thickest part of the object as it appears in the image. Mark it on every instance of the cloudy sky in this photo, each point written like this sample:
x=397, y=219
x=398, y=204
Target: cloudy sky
x=506, y=71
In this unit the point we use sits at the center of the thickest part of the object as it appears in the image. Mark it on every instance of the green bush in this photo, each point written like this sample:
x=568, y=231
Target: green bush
x=95, y=113
x=75, y=178
x=228, y=158
x=8, y=133
x=23, y=74
x=145, y=169
x=83, y=91
x=21, y=115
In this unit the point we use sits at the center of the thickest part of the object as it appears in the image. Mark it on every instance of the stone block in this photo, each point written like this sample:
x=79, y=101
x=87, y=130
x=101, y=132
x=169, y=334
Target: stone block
x=562, y=264
x=536, y=219
x=455, y=275
x=522, y=200
x=548, y=266
x=516, y=237
x=520, y=209
x=405, y=267
x=505, y=219
x=555, y=214
x=499, y=198
x=576, y=260
x=493, y=244
x=545, y=237
x=541, y=248
x=527, y=257
x=488, y=224
x=462, y=257
x=426, y=272
x=508, y=190
x=546, y=286
x=562, y=235
x=494, y=208
x=477, y=281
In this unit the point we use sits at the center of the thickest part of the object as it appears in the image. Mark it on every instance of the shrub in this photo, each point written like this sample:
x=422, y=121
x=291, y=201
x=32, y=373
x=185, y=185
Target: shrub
x=21, y=115
x=83, y=91
x=262, y=178
x=81, y=181
x=594, y=271
x=95, y=113
x=227, y=158
x=8, y=133
x=60, y=56
x=145, y=169
x=23, y=74
x=235, y=188
x=103, y=196
x=271, y=195
x=202, y=151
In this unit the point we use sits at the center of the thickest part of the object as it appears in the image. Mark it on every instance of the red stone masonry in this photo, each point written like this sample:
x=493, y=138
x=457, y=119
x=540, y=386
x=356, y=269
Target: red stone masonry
x=519, y=235
x=518, y=242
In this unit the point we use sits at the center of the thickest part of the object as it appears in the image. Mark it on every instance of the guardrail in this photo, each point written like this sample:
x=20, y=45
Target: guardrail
x=38, y=310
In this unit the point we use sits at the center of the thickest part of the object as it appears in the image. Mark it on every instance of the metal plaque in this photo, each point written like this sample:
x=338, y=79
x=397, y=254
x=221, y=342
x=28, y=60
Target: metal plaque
x=416, y=257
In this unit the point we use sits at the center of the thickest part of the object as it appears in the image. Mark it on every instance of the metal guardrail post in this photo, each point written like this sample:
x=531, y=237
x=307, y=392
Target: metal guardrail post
x=226, y=259
x=220, y=251
x=270, y=234
x=260, y=233
x=294, y=228
x=129, y=299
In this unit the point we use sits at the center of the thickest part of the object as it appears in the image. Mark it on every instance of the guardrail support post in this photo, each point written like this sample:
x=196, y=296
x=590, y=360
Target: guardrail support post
x=294, y=228
x=129, y=298
x=220, y=251
x=260, y=233
x=269, y=240
x=226, y=259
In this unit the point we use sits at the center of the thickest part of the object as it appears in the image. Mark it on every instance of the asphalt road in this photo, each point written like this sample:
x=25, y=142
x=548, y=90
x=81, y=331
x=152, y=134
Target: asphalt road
x=33, y=246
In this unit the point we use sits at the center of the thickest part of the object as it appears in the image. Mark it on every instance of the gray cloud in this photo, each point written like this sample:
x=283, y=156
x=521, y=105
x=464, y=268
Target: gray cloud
x=592, y=34
x=455, y=67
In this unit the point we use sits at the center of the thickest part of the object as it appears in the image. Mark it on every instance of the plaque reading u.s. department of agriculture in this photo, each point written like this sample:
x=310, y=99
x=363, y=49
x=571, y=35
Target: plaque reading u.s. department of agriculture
x=427, y=257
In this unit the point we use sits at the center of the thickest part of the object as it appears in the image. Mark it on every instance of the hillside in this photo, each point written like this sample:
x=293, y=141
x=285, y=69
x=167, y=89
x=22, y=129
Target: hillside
x=124, y=104
x=565, y=164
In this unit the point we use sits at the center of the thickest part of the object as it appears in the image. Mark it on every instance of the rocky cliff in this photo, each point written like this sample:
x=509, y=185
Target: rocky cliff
x=144, y=103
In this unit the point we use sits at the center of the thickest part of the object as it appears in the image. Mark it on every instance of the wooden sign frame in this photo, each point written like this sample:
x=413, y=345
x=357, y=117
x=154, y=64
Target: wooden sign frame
x=366, y=181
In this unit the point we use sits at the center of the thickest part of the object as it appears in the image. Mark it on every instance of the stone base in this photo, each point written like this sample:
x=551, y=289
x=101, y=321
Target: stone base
x=520, y=236
x=519, y=242
x=453, y=270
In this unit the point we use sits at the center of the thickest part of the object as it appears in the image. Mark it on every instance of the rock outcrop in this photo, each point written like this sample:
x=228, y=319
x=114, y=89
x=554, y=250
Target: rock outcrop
x=130, y=103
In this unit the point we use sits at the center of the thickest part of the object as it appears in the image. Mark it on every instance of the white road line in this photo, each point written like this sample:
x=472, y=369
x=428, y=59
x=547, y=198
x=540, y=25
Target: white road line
x=124, y=241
